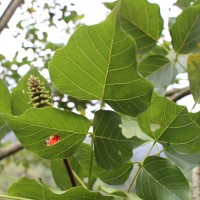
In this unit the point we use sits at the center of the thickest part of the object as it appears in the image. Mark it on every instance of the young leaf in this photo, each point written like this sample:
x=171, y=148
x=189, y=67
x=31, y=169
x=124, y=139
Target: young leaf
x=171, y=125
x=99, y=63
x=159, y=70
x=5, y=100
x=33, y=190
x=185, y=31
x=36, y=126
x=111, y=148
x=146, y=26
x=193, y=75
x=161, y=180
x=20, y=98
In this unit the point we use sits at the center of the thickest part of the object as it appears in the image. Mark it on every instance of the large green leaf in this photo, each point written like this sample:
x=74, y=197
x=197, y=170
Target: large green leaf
x=193, y=75
x=36, y=126
x=185, y=31
x=99, y=63
x=20, y=97
x=159, y=179
x=171, y=125
x=33, y=190
x=5, y=100
x=146, y=26
x=111, y=148
x=159, y=70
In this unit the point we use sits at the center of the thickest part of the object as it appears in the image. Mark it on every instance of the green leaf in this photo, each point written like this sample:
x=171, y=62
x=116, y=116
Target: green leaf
x=185, y=31
x=20, y=97
x=146, y=26
x=193, y=75
x=112, y=177
x=171, y=125
x=185, y=161
x=60, y=174
x=110, y=5
x=183, y=3
x=159, y=70
x=111, y=148
x=99, y=63
x=33, y=190
x=5, y=100
x=112, y=191
x=161, y=180
x=36, y=126
x=131, y=128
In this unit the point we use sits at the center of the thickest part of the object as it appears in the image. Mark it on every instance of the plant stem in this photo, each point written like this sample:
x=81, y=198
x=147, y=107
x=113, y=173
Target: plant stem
x=102, y=104
x=79, y=180
x=140, y=167
x=70, y=172
x=134, y=178
x=91, y=162
x=174, y=57
x=13, y=197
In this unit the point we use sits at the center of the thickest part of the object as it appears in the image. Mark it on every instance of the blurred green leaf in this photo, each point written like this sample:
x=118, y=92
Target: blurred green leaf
x=36, y=126
x=183, y=3
x=185, y=161
x=193, y=75
x=185, y=31
x=159, y=70
x=110, y=5
x=146, y=26
x=131, y=128
x=111, y=148
x=102, y=56
x=32, y=190
x=161, y=180
x=5, y=100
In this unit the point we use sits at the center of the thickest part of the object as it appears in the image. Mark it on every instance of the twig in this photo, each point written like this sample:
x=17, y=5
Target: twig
x=91, y=162
x=12, y=149
x=70, y=172
x=14, y=4
x=178, y=94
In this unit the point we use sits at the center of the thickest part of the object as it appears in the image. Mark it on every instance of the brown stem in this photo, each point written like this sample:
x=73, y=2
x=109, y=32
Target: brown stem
x=176, y=95
x=70, y=173
x=14, y=4
x=12, y=149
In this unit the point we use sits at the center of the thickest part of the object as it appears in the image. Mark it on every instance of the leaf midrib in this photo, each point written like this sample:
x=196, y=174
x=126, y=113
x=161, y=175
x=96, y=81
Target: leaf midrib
x=107, y=70
x=46, y=127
